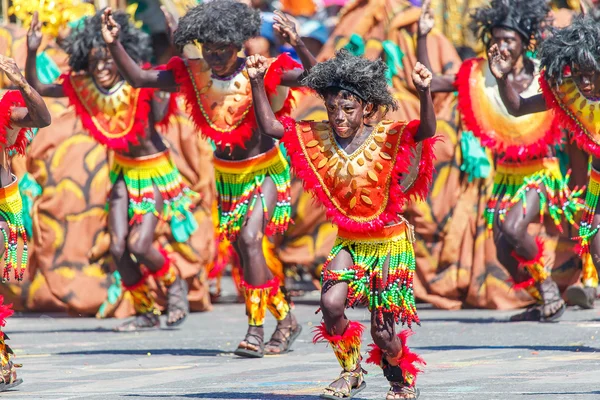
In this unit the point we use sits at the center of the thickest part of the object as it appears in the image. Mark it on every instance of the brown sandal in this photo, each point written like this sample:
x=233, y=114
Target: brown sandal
x=401, y=388
x=141, y=322
x=178, y=301
x=285, y=342
x=348, y=391
x=243, y=351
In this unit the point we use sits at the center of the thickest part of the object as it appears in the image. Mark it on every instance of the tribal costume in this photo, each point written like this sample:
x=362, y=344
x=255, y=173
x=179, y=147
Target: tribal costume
x=523, y=147
x=11, y=206
x=364, y=198
x=576, y=113
x=222, y=110
x=118, y=119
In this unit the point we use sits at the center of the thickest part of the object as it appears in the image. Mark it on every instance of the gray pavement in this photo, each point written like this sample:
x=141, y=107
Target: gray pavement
x=471, y=354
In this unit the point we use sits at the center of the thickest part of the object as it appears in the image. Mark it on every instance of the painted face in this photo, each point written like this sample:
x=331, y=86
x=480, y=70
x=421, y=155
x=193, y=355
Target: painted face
x=507, y=39
x=345, y=113
x=221, y=59
x=587, y=80
x=103, y=69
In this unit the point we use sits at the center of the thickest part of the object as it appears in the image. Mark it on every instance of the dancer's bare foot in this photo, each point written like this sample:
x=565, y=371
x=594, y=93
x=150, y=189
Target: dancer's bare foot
x=284, y=336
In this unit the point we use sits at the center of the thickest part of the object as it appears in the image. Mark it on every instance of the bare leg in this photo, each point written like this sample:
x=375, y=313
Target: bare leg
x=514, y=229
x=333, y=306
x=118, y=227
x=256, y=273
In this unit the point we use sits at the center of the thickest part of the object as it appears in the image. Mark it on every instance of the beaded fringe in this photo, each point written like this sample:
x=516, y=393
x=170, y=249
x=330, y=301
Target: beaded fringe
x=587, y=230
x=558, y=201
x=141, y=175
x=365, y=277
x=11, y=210
x=239, y=192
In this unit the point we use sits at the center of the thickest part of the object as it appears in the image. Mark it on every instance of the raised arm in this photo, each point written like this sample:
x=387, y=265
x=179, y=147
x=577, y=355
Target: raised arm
x=34, y=40
x=422, y=79
x=129, y=69
x=287, y=30
x=256, y=66
x=426, y=23
x=35, y=114
x=500, y=66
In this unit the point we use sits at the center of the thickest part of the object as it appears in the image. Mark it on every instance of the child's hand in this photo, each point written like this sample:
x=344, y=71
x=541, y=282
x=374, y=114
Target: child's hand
x=34, y=34
x=500, y=61
x=286, y=28
x=426, y=20
x=421, y=77
x=256, y=66
x=110, y=28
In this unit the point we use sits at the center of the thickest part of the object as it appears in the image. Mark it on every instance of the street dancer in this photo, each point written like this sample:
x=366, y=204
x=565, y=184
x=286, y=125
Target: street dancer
x=528, y=184
x=353, y=164
x=19, y=109
x=146, y=185
x=252, y=175
x=570, y=84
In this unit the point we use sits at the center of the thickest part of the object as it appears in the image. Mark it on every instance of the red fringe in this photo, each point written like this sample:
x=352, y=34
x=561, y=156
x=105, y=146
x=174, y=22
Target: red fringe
x=406, y=360
x=138, y=129
x=239, y=136
x=398, y=198
x=5, y=311
x=272, y=284
x=514, y=152
x=165, y=267
x=522, y=285
x=524, y=262
x=354, y=329
x=577, y=133
x=11, y=99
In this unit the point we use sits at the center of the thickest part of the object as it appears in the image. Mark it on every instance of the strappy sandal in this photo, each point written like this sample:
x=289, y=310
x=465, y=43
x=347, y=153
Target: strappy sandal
x=401, y=388
x=141, y=322
x=551, y=295
x=9, y=379
x=283, y=343
x=347, y=392
x=242, y=351
x=532, y=313
x=178, y=301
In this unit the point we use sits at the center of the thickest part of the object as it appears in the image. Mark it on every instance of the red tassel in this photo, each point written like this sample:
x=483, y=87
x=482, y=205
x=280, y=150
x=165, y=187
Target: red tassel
x=523, y=262
x=272, y=284
x=406, y=360
x=354, y=330
x=166, y=265
x=5, y=311
x=522, y=285
x=11, y=99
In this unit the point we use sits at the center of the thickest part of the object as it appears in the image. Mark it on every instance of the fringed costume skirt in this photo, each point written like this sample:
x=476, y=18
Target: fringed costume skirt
x=239, y=184
x=365, y=279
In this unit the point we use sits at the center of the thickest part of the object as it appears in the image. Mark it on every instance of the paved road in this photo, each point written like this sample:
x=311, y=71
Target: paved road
x=471, y=354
